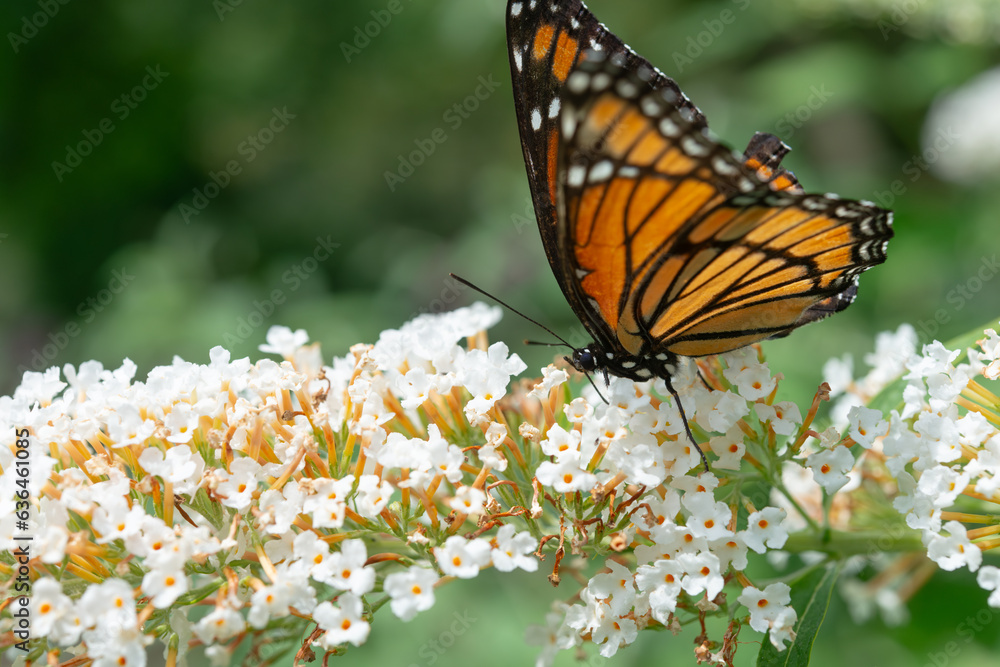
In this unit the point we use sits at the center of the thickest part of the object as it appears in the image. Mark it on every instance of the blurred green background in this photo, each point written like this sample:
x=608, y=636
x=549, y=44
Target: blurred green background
x=178, y=175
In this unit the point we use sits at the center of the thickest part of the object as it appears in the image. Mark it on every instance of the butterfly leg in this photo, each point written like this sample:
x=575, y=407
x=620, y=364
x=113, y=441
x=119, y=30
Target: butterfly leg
x=680, y=408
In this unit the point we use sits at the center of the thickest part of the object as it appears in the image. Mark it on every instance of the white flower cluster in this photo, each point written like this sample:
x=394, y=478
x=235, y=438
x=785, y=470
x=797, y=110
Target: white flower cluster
x=941, y=448
x=243, y=437
x=253, y=482
x=688, y=539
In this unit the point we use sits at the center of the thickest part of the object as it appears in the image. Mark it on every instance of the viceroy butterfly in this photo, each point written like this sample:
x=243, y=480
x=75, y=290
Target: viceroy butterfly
x=666, y=242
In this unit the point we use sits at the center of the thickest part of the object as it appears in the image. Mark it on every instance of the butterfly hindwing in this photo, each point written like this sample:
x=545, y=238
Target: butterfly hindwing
x=664, y=240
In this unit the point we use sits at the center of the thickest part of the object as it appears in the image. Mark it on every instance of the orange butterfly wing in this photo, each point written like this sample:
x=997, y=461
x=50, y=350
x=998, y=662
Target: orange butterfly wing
x=664, y=241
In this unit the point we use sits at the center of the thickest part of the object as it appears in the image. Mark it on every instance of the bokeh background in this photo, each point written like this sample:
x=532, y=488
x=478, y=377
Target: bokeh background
x=181, y=175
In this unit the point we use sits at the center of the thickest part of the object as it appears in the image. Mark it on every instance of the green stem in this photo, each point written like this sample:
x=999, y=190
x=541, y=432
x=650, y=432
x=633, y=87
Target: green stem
x=843, y=544
x=808, y=519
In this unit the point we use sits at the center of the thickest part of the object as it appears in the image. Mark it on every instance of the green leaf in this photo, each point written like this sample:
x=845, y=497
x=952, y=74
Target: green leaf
x=811, y=593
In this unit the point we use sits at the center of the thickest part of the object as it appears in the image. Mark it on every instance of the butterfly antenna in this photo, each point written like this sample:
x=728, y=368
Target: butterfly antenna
x=538, y=342
x=680, y=408
x=513, y=310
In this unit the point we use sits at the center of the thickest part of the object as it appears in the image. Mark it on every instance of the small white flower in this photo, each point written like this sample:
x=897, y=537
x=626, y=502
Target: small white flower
x=988, y=579
x=328, y=505
x=283, y=341
x=612, y=633
x=49, y=605
x=468, y=500
x=752, y=379
x=373, y=495
x=830, y=467
x=164, y=586
x=784, y=416
x=782, y=628
x=552, y=377
x=238, y=488
x=661, y=581
x=765, y=528
x=562, y=444
x=343, y=622
x=565, y=476
x=866, y=425
x=411, y=591
x=463, y=558
x=617, y=585
x=729, y=448
x=955, y=551
x=578, y=411
x=719, y=410
x=513, y=551
x=766, y=605
x=702, y=574
x=943, y=485
x=220, y=624
x=709, y=518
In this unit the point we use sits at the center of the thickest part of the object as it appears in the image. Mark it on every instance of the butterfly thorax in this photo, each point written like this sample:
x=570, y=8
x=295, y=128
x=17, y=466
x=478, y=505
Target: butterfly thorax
x=595, y=358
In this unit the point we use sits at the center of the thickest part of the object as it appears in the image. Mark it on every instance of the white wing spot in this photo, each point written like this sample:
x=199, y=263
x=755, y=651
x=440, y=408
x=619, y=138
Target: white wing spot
x=554, y=108
x=628, y=171
x=568, y=124
x=515, y=8
x=576, y=175
x=724, y=167
x=578, y=82
x=602, y=171
x=693, y=147
x=600, y=81
x=536, y=119
x=669, y=127
x=626, y=88
x=651, y=106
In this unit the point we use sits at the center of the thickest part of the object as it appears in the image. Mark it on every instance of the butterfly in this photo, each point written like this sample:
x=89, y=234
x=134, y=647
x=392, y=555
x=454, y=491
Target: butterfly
x=666, y=242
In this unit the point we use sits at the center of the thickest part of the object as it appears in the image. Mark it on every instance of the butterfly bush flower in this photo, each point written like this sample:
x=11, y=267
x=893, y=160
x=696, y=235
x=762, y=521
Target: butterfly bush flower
x=934, y=458
x=236, y=497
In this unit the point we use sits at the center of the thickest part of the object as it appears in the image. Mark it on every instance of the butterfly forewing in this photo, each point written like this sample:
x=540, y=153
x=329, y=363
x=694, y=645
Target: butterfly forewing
x=663, y=239
x=548, y=41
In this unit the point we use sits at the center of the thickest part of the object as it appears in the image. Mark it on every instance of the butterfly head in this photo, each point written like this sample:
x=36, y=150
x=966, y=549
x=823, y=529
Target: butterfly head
x=585, y=359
